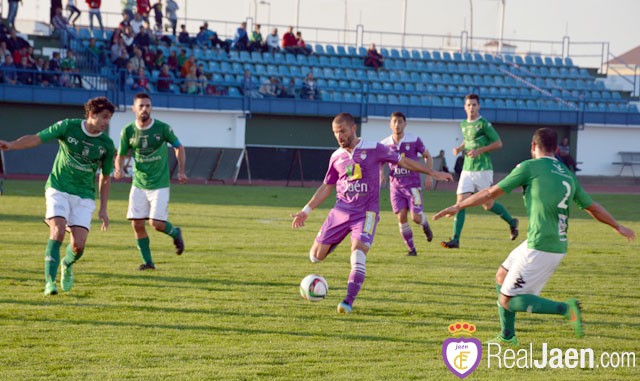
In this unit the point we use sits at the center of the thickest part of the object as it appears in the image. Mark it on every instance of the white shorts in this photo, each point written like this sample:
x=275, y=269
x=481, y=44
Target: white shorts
x=76, y=210
x=474, y=181
x=148, y=204
x=528, y=270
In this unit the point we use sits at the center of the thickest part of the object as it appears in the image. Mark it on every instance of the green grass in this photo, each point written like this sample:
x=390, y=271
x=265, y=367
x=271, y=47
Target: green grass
x=229, y=307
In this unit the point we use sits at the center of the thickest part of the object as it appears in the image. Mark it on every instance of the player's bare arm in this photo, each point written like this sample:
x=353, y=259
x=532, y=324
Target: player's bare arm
x=27, y=141
x=181, y=157
x=418, y=166
x=488, y=148
x=104, y=185
x=456, y=150
x=598, y=212
x=316, y=200
x=428, y=160
x=476, y=199
x=118, y=172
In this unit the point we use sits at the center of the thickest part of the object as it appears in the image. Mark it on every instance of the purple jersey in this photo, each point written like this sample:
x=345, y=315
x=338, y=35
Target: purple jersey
x=410, y=146
x=357, y=175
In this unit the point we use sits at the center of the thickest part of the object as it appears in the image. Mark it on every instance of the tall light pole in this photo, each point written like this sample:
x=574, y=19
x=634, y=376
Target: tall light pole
x=269, y=14
x=404, y=20
x=298, y=15
x=471, y=23
x=502, y=6
x=346, y=19
x=255, y=11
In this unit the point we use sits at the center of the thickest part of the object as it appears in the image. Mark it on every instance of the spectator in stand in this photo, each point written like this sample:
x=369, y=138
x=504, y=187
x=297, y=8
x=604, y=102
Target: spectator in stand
x=144, y=7
x=15, y=42
x=564, y=154
x=185, y=69
x=255, y=40
x=190, y=85
x=55, y=4
x=160, y=60
x=289, y=42
x=13, y=12
x=127, y=8
x=247, y=87
x=141, y=83
x=270, y=87
x=164, y=80
x=273, y=41
x=127, y=38
x=29, y=55
x=23, y=68
x=182, y=58
x=172, y=61
x=289, y=91
x=3, y=49
x=95, y=53
x=241, y=38
x=183, y=36
x=157, y=14
x=309, y=88
x=373, y=58
x=122, y=61
x=202, y=38
x=94, y=11
x=200, y=70
x=203, y=83
x=149, y=57
x=171, y=10
x=8, y=70
x=41, y=77
x=213, y=37
x=301, y=46
x=66, y=33
x=69, y=66
x=55, y=65
x=142, y=39
x=117, y=49
x=73, y=10
x=136, y=23
x=129, y=77
x=137, y=61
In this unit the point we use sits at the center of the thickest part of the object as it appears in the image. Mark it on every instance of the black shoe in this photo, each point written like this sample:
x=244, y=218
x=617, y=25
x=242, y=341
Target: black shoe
x=412, y=253
x=514, y=229
x=452, y=244
x=146, y=266
x=179, y=242
x=427, y=231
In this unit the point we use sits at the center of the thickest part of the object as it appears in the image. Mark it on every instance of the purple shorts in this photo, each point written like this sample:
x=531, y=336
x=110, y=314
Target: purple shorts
x=406, y=198
x=339, y=223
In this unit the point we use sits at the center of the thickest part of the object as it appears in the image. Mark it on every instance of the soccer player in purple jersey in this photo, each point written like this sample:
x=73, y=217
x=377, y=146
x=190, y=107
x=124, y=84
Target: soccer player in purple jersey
x=404, y=185
x=354, y=171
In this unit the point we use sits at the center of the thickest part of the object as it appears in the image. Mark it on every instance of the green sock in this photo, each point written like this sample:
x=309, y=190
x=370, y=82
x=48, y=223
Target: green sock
x=145, y=250
x=536, y=305
x=458, y=223
x=51, y=260
x=507, y=319
x=72, y=257
x=500, y=210
x=170, y=230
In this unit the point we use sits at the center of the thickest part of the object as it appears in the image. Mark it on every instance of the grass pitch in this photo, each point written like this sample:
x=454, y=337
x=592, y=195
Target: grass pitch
x=229, y=308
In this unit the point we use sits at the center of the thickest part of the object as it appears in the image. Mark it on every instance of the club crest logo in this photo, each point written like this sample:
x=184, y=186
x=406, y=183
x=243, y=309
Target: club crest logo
x=460, y=354
x=354, y=172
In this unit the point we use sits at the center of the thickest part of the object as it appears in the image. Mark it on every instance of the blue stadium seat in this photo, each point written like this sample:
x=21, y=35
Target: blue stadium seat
x=457, y=56
x=355, y=85
x=426, y=55
x=568, y=61
x=384, y=52
x=338, y=73
x=345, y=62
x=330, y=50
x=278, y=58
x=283, y=70
x=376, y=86
x=538, y=60
x=372, y=98
x=488, y=57
x=446, y=56
x=256, y=57
x=343, y=84
x=489, y=103
x=558, y=61
x=337, y=96
x=398, y=87
x=341, y=51
x=348, y=97
x=358, y=97
x=392, y=99
x=324, y=61
x=351, y=50
x=420, y=87
x=229, y=78
x=319, y=49
x=382, y=98
x=387, y=86
x=84, y=34
x=415, y=100
x=529, y=60
x=548, y=61
x=404, y=53
x=409, y=87
x=518, y=60
x=415, y=54
x=362, y=75
x=362, y=51
x=436, y=55
x=510, y=103
x=394, y=53
x=500, y=103
x=234, y=92
x=477, y=57
x=334, y=61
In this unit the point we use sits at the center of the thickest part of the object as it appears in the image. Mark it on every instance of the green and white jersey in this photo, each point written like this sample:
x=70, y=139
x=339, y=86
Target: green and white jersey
x=79, y=157
x=149, y=146
x=477, y=134
x=548, y=189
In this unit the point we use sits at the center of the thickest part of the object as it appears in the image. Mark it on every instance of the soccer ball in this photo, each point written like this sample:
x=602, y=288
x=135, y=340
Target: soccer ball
x=314, y=288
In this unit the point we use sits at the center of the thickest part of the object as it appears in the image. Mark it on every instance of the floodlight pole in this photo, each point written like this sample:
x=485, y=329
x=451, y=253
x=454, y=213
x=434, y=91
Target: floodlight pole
x=404, y=20
x=471, y=24
x=298, y=15
x=502, y=6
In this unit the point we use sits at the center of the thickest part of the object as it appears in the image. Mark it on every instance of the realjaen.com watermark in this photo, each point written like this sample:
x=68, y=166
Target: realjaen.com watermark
x=545, y=356
x=462, y=354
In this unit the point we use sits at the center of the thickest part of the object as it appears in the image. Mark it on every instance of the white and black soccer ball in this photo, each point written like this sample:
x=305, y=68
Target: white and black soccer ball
x=314, y=288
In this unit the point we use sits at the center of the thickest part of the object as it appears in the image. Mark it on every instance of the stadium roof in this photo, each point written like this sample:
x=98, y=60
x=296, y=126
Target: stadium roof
x=632, y=57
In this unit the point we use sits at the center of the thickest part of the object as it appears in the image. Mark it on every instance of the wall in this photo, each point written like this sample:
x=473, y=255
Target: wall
x=194, y=128
x=598, y=147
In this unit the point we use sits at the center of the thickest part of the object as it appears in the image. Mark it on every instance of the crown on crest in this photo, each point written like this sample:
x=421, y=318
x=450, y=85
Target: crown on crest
x=462, y=328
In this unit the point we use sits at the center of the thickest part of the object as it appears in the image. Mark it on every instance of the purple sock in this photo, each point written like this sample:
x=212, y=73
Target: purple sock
x=356, y=277
x=407, y=235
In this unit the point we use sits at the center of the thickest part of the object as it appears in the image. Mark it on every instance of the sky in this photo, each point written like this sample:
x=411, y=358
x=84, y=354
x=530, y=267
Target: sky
x=612, y=21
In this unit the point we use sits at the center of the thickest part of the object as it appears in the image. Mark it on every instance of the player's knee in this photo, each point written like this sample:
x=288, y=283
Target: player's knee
x=314, y=256
x=158, y=225
x=488, y=205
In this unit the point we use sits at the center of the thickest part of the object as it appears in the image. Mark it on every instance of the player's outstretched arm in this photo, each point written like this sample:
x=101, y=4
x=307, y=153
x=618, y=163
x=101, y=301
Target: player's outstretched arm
x=601, y=214
x=479, y=198
x=318, y=198
x=181, y=157
x=118, y=172
x=418, y=166
x=428, y=160
x=27, y=141
x=488, y=148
